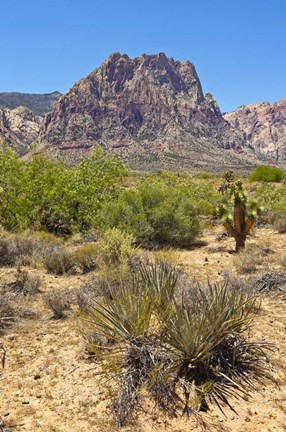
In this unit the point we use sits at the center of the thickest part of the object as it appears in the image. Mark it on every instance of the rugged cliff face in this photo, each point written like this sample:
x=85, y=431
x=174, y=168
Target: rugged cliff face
x=150, y=110
x=264, y=126
x=40, y=104
x=20, y=127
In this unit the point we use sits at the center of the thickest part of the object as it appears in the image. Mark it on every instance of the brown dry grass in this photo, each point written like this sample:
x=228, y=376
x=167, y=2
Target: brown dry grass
x=48, y=370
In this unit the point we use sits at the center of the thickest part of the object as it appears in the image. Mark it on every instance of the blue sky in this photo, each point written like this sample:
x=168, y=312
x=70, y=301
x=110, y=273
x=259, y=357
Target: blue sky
x=237, y=46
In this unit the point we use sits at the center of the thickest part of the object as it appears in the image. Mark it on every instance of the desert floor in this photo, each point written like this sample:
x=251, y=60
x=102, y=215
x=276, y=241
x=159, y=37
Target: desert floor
x=49, y=383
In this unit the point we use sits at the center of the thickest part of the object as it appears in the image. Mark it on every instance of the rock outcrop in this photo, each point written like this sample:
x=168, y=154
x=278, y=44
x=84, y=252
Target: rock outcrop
x=40, y=104
x=264, y=126
x=150, y=110
x=20, y=127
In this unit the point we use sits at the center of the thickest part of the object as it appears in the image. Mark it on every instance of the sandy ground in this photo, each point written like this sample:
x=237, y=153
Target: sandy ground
x=49, y=384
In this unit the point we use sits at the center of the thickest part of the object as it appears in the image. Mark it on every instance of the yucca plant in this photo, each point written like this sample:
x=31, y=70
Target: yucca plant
x=241, y=218
x=195, y=345
x=208, y=348
x=130, y=318
x=160, y=280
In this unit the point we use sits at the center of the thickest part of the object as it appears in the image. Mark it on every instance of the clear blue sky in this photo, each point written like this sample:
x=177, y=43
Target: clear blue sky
x=237, y=46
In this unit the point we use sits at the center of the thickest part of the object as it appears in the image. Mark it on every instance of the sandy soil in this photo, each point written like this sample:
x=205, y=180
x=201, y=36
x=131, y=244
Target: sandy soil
x=49, y=384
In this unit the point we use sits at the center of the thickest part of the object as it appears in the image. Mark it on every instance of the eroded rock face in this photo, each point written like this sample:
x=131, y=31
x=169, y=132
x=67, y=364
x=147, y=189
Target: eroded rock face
x=150, y=110
x=20, y=127
x=264, y=126
x=40, y=104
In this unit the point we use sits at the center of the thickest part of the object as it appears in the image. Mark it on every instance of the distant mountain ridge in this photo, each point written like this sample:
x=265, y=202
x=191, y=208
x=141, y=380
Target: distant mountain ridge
x=152, y=112
x=40, y=104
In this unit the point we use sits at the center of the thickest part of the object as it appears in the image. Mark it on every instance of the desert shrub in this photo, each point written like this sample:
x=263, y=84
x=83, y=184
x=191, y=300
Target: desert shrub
x=239, y=283
x=47, y=194
x=8, y=250
x=193, y=346
x=162, y=210
x=279, y=222
x=59, y=261
x=58, y=302
x=25, y=284
x=266, y=173
x=86, y=257
x=7, y=312
x=248, y=260
x=115, y=247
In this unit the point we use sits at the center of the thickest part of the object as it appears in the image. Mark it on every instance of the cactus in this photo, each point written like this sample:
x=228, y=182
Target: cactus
x=240, y=220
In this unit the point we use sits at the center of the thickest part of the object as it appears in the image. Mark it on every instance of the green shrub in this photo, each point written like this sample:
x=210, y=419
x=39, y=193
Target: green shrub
x=46, y=194
x=266, y=173
x=115, y=247
x=163, y=210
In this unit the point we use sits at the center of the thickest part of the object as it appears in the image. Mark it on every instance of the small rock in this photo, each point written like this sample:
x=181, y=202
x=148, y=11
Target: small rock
x=11, y=337
x=25, y=402
x=37, y=376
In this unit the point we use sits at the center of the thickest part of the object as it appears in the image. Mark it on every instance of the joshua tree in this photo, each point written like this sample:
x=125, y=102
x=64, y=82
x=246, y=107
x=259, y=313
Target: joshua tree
x=240, y=219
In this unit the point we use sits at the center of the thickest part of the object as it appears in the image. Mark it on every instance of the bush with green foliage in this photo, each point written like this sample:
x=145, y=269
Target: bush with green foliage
x=272, y=197
x=162, y=210
x=266, y=173
x=45, y=194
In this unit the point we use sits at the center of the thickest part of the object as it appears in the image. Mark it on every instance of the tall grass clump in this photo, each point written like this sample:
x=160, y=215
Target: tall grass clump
x=185, y=351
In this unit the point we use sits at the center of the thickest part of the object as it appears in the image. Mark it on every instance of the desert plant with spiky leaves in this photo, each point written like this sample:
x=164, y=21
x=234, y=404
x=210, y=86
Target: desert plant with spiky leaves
x=193, y=347
x=236, y=211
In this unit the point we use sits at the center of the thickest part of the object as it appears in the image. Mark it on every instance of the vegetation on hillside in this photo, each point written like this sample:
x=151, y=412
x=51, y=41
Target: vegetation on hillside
x=266, y=173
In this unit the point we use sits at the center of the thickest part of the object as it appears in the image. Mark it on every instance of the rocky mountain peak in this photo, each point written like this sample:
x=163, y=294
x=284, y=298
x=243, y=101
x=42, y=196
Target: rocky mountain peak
x=150, y=110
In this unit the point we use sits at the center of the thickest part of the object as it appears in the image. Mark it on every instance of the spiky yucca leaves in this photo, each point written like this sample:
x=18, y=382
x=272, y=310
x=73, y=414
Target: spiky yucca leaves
x=213, y=319
x=241, y=218
x=186, y=354
x=130, y=317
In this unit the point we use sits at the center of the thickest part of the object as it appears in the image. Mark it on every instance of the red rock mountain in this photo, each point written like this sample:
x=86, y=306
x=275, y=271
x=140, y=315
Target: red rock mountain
x=150, y=110
x=264, y=126
x=20, y=127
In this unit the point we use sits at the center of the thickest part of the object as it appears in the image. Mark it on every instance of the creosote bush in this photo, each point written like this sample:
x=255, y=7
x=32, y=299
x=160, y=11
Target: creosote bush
x=185, y=351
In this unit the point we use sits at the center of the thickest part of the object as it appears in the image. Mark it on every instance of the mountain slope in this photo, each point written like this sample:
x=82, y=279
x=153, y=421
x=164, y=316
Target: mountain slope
x=264, y=126
x=150, y=110
x=40, y=104
x=20, y=127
